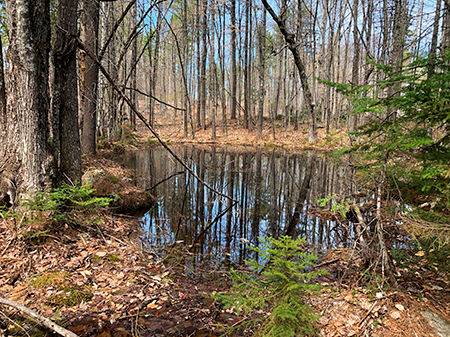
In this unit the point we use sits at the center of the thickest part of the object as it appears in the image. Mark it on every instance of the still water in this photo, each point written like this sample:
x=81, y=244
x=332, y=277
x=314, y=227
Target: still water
x=276, y=194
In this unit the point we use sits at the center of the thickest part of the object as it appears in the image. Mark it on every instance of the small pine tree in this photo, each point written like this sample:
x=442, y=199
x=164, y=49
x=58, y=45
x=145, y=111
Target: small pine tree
x=278, y=285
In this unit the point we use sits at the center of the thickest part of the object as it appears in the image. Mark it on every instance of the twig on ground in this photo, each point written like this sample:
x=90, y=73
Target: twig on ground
x=326, y=263
x=367, y=315
x=40, y=319
x=383, y=297
x=9, y=319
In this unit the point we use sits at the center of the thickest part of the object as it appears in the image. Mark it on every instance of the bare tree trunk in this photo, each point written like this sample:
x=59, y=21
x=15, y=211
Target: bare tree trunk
x=212, y=64
x=133, y=81
x=353, y=118
x=185, y=97
x=398, y=46
x=202, y=80
x=155, y=64
x=247, y=63
x=434, y=38
x=278, y=84
x=233, y=77
x=28, y=102
x=112, y=121
x=175, y=80
x=221, y=52
x=386, y=25
x=262, y=70
x=445, y=41
x=3, y=116
x=89, y=36
x=66, y=137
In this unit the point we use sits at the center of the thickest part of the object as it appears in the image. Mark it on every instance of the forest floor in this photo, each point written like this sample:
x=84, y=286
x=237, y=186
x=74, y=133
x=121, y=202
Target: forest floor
x=286, y=138
x=98, y=280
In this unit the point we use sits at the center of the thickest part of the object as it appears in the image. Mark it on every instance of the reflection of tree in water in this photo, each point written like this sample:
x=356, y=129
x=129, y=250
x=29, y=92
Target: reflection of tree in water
x=275, y=192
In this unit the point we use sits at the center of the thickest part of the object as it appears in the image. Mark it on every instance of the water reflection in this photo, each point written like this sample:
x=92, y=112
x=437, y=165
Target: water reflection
x=275, y=192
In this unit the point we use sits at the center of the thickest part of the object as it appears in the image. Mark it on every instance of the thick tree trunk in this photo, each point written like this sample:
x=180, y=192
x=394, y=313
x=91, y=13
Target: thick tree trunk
x=65, y=90
x=28, y=94
x=89, y=36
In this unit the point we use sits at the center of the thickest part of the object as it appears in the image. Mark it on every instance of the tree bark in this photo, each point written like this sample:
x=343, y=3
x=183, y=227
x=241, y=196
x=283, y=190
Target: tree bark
x=445, y=41
x=28, y=94
x=202, y=79
x=3, y=119
x=262, y=70
x=89, y=73
x=434, y=39
x=247, y=76
x=212, y=64
x=233, y=78
x=133, y=82
x=66, y=135
x=353, y=119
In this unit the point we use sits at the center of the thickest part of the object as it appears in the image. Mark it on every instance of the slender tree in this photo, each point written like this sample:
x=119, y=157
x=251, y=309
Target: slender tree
x=3, y=117
x=261, y=70
x=293, y=45
x=233, y=76
x=89, y=73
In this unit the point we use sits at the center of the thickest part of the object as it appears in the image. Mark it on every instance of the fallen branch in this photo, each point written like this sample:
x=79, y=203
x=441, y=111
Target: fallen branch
x=367, y=315
x=326, y=263
x=40, y=319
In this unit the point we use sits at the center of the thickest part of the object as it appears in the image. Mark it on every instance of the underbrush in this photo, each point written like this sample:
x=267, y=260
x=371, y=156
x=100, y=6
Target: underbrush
x=47, y=211
x=271, y=295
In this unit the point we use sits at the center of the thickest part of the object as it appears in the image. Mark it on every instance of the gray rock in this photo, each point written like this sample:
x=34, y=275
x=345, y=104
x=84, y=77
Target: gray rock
x=93, y=176
x=440, y=324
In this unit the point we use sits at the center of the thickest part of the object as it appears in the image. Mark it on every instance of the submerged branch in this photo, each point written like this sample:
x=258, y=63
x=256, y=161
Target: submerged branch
x=197, y=239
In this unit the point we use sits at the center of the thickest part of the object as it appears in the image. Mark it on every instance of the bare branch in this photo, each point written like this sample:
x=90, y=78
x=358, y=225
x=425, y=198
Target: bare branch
x=41, y=319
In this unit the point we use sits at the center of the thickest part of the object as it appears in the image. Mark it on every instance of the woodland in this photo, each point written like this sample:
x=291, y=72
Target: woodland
x=82, y=82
